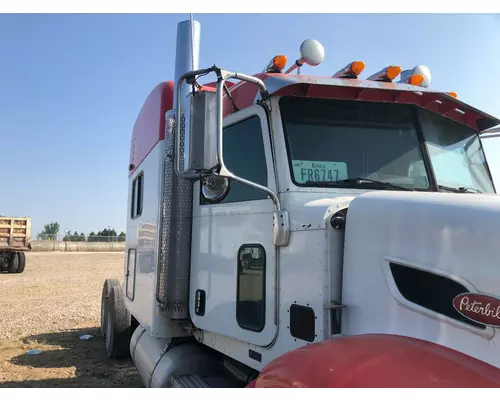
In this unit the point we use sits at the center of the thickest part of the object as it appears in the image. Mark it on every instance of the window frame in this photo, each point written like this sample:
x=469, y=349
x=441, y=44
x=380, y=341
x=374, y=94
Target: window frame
x=264, y=282
x=135, y=191
x=481, y=138
x=424, y=117
x=261, y=112
x=432, y=187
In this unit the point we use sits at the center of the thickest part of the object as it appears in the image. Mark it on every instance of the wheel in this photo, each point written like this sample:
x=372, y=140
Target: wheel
x=13, y=263
x=118, y=325
x=22, y=262
x=108, y=284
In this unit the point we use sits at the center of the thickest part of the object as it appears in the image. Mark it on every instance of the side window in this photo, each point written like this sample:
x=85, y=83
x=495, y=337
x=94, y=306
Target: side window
x=137, y=194
x=250, y=298
x=130, y=276
x=244, y=156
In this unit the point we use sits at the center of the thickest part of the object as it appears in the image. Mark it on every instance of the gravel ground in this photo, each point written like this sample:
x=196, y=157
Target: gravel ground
x=48, y=307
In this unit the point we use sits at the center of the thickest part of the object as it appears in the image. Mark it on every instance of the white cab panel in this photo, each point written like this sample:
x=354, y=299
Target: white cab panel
x=142, y=236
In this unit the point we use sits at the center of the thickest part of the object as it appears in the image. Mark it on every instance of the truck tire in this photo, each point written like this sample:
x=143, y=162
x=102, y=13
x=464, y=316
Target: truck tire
x=22, y=262
x=13, y=263
x=118, y=325
x=108, y=284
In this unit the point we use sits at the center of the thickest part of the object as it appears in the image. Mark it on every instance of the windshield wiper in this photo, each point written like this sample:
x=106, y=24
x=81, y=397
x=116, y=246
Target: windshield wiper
x=359, y=182
x=459, y=189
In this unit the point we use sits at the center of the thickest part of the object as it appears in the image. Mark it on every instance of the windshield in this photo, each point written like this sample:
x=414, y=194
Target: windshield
x=340, y=143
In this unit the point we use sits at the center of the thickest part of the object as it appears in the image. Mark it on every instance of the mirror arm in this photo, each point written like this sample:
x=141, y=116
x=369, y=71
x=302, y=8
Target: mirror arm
x=222, y=78
x=281, y=220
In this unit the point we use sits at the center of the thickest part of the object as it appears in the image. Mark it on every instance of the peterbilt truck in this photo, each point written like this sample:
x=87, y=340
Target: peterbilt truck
x=15, y=239
x=292, y=230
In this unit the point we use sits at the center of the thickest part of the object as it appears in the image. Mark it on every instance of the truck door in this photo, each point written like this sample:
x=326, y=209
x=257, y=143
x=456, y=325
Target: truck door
x=233, y=254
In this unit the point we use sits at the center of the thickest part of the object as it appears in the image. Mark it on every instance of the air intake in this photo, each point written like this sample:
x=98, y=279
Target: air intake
x=431, y=291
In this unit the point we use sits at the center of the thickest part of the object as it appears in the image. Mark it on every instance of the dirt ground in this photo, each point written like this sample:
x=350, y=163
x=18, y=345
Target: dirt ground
x=55, y=301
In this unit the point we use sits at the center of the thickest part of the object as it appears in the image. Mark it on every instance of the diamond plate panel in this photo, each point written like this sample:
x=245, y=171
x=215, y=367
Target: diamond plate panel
x=176, y=221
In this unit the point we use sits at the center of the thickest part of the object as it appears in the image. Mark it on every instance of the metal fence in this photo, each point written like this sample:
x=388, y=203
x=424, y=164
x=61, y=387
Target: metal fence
x=80, y=238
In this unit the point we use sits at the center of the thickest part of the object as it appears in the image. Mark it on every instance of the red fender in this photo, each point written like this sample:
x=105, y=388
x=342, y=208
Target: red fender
x=376, y=361
x=251, y=384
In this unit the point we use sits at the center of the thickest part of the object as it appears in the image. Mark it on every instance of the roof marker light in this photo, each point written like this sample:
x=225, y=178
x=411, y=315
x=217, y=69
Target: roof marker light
x=452, y=94
x=408, y=76
x=312, y=53
x=387, y=74
x=393, y=71
x=351, y=70
x=416, y=79
x=277, y=64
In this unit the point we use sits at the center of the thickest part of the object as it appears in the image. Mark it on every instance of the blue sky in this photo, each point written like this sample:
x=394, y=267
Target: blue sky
x=71, y=87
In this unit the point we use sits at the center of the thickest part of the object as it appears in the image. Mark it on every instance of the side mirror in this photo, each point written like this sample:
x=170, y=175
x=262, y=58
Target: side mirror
x=214, y=188
x=198, y=136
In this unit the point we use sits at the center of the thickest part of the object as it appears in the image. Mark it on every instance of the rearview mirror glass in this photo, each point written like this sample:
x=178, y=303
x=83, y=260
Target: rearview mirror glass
x=214, y=188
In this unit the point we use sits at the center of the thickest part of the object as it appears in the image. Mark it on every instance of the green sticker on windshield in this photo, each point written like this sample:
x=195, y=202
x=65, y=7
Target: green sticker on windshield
x=319, y=171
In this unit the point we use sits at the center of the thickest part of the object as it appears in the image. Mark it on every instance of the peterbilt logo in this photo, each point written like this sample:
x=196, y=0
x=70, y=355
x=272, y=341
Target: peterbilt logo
x=480, y=308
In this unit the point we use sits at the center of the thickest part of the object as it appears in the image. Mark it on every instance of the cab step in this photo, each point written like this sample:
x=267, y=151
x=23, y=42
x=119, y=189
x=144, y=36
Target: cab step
x=232, y=374
x=188, y=381
x=193, y=381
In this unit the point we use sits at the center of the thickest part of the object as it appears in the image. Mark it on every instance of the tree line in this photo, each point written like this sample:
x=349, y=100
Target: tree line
x=51, y=232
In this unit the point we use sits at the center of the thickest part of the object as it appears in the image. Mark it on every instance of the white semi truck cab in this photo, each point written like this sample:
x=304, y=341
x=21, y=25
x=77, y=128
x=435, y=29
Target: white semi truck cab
x=289, y=230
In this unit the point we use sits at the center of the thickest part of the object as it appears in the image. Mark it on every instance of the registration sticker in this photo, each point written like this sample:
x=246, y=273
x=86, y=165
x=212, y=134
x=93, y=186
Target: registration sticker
x=319, y=171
